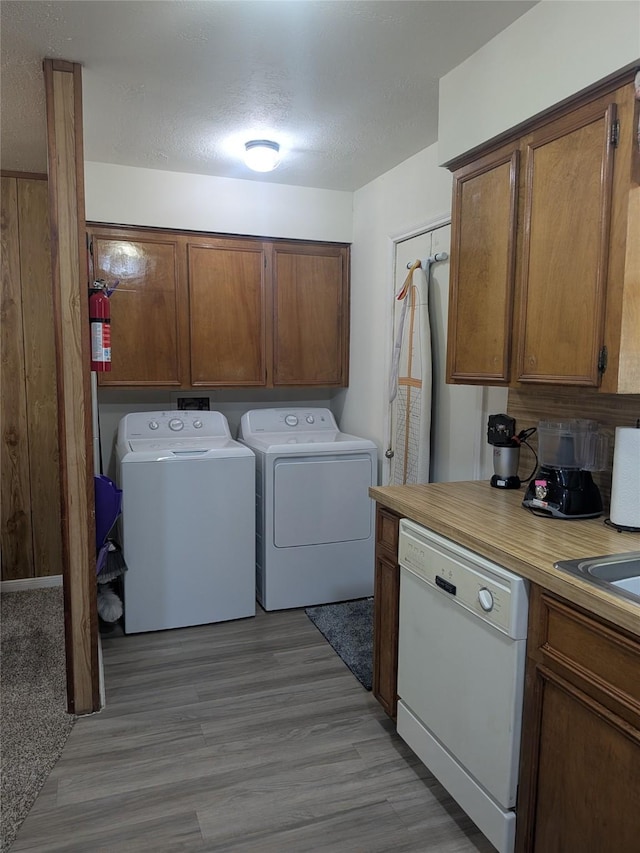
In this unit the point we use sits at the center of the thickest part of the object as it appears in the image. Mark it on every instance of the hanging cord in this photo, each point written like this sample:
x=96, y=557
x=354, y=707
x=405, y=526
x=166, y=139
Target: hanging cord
x=397, y=345
x=521, y=438
x=416, y=265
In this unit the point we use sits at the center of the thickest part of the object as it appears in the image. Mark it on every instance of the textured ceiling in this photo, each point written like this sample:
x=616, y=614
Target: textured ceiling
x=349, y=89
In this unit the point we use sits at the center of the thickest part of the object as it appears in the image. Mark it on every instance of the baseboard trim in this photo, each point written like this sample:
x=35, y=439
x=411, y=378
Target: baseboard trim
x=30, y=583
x=103, y=692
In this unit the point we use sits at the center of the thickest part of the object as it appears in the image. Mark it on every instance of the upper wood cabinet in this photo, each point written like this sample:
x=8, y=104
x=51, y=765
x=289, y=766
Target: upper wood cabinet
x=199, y=310
x=483, y=241
x=545, y=273
x=310, y=314
x=566, y=208
x=147, y=312
x=227, y=312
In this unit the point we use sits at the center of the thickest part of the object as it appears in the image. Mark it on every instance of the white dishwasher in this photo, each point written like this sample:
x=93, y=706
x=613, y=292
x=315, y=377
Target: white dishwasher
x=461, y=659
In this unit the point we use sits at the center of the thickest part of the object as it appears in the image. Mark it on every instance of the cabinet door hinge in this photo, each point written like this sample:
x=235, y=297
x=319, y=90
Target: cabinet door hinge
x=602, y=360
x=615, y=133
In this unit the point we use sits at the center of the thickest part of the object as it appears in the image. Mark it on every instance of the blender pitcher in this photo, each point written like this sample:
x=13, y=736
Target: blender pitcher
x=568, y=452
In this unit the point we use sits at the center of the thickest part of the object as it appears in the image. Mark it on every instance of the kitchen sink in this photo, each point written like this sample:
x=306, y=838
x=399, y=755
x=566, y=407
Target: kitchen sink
x=618, y=573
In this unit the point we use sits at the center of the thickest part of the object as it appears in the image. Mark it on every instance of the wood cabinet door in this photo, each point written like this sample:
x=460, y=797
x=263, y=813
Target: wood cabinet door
x=385, y=671
x=622, y=315
x=580, y=756
x=227, y=310
x=386, y=600
x=567, y=201
x=588, y=775
x=310, y=314
x=147, y=308
x=483, y=245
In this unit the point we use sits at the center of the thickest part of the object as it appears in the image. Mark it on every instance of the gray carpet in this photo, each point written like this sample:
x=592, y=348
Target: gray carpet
x=348, y=627
x=34, y=724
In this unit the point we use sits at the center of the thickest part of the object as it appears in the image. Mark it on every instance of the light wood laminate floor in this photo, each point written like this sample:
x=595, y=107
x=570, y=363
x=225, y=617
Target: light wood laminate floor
x=241, y=736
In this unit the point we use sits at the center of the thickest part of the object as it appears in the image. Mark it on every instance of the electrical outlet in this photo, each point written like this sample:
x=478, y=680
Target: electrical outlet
x=198, y=404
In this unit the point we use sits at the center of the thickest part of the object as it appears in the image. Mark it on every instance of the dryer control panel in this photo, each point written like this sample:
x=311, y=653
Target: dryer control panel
x=288, y=420
x=172, y=424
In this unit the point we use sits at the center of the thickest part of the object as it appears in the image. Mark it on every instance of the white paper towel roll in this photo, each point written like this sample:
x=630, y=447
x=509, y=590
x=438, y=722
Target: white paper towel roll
x=625, y=484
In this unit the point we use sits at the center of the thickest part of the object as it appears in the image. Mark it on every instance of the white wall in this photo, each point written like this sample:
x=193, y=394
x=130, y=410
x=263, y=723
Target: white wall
x=403, y=200
x=549, y=54
x=127, y=195
x=412, y=195
x=552, y=52
x=132, y=196
x=115, y=403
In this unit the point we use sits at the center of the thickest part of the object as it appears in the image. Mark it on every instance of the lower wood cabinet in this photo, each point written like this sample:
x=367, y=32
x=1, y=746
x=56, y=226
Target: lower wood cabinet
x=580, y=759
x=579, y=785
x=386, y=608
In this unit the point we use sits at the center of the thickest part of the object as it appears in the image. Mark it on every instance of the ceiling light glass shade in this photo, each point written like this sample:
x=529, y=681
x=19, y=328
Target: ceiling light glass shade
x=261, y=155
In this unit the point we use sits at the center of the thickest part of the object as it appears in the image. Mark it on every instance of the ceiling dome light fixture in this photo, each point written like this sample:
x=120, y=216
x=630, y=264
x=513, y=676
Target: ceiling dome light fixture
x=261, y=155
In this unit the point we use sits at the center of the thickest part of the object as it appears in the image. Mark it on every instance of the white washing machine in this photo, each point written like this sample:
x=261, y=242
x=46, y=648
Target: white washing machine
x=188, y=520
x=315, y=520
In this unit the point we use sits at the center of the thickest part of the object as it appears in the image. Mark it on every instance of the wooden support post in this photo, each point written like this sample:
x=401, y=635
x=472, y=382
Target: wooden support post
x=63, y=82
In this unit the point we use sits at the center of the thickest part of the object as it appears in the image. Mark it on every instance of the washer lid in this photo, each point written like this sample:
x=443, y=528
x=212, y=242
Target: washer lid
x=186, y=449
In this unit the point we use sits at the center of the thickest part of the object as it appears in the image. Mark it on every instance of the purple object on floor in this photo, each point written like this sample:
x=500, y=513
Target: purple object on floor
x=108, y=505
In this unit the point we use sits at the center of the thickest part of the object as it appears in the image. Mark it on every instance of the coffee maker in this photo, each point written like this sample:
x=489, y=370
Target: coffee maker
x=501, y=433
x=568, y=452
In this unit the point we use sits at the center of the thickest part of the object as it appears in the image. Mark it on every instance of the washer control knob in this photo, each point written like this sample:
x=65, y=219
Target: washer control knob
x=153, y=424
x=486, y=599
x=176, y=424
x=310, y=419
x=197, y=424
x=291, y=420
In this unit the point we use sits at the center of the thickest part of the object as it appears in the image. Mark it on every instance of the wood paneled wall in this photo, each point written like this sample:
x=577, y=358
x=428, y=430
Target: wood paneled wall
x=530, y=405
x=30, y=527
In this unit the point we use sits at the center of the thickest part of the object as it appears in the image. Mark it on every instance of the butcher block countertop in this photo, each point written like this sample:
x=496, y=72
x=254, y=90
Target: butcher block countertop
x=493, y=523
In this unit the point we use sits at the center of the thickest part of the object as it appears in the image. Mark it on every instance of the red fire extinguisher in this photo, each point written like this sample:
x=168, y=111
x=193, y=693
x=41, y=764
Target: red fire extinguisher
x=100, y=319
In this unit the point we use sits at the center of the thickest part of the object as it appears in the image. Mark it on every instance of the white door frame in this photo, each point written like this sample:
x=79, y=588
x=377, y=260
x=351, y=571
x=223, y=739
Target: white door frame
x=394, y=239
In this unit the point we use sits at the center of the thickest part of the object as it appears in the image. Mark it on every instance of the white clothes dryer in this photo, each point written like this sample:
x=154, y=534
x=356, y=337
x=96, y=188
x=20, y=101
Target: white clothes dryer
x=188, y=520
x=315, y=521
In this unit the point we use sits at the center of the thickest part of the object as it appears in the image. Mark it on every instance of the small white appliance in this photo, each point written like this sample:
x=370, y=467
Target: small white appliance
x=314, y=518
x=187, y=523
x=461, y=661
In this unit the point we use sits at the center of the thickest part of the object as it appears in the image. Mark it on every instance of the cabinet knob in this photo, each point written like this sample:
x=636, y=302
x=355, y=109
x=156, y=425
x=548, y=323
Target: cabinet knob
x=389, y=453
